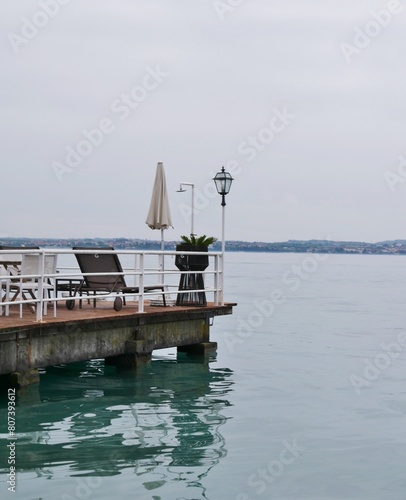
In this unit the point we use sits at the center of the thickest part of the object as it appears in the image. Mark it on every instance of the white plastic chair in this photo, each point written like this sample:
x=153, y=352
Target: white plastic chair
x=31, y=265
x=6, y=271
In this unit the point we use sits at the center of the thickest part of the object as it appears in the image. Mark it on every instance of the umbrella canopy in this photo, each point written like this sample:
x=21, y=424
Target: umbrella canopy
x=159, y=214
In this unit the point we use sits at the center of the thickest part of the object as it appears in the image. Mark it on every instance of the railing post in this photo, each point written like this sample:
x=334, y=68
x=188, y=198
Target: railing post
x=141, y=285
x=216, y=280
x=8, y=292
x=136, y=269
x=40, y=304
x=221, y=267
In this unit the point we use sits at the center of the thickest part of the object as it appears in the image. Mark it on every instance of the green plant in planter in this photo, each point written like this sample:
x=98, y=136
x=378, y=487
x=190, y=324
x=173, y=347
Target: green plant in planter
x=193, y=244
x=200, y=241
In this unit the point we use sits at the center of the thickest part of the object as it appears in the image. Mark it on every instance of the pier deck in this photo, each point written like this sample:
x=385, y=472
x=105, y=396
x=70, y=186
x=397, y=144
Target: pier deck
x=124, y=338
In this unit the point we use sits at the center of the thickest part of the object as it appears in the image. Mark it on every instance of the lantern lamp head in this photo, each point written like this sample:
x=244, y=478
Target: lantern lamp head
x=223, y=181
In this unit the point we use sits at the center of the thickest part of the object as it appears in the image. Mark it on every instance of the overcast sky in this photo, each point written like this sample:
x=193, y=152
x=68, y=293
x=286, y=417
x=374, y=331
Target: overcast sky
x=303, y=101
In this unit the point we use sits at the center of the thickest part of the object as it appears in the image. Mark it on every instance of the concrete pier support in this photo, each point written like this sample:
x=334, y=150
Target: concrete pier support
x=127, y=361
x=202, y=348
x=138, y=353
x=24, y=378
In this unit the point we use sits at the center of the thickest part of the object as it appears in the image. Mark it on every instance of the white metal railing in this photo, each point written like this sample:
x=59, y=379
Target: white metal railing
x=144, y=269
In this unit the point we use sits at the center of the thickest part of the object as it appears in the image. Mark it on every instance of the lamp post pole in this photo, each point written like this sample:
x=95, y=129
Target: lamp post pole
x=223, y=226
x=181, y=190
x=223, y=181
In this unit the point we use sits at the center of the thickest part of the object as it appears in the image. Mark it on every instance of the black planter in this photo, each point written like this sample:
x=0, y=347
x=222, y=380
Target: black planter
x=191, y=262
x=192, y=282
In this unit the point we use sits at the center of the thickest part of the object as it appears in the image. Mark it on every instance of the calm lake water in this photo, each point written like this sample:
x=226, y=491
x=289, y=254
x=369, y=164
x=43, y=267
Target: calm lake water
x=305, y=400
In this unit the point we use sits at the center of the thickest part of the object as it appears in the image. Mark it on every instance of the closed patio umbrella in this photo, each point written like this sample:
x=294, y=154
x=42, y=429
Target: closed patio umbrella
x=159, y=214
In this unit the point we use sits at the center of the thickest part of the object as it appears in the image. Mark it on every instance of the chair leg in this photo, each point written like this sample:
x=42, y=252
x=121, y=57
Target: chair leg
x=8, y=297
x=48, y=294
x=31, y=307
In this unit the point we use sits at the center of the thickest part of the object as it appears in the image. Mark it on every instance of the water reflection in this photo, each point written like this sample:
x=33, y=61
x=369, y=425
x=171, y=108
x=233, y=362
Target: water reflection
x=163, y=422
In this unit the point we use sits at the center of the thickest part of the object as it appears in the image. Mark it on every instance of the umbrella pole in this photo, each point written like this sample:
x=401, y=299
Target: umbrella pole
x=161, y=257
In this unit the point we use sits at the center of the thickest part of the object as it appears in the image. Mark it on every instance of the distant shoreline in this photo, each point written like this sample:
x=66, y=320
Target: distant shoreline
x=392, y=247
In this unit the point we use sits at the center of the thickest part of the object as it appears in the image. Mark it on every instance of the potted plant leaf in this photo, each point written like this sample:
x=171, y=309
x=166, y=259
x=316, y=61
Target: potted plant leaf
x=193, y=282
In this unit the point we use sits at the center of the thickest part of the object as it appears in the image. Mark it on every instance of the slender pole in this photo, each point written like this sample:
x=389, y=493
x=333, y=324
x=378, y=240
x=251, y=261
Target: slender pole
x=161, y=258
x=193, y=210
x=192, y=215
x=223, y=246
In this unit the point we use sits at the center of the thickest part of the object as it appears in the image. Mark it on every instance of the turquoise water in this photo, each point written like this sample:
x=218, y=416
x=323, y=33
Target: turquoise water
x=305, y=400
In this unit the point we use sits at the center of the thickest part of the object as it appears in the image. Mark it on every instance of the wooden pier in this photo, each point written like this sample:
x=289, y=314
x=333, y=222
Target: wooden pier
x=124, y=338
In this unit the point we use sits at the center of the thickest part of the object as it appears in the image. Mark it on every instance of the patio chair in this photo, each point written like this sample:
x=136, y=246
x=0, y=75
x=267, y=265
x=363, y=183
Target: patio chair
x=10, y=264
x=24, y=288
x=107, y=281
x=11, y=261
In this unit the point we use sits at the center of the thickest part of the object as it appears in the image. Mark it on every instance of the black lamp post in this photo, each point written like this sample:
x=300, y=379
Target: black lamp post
x=223, y=181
